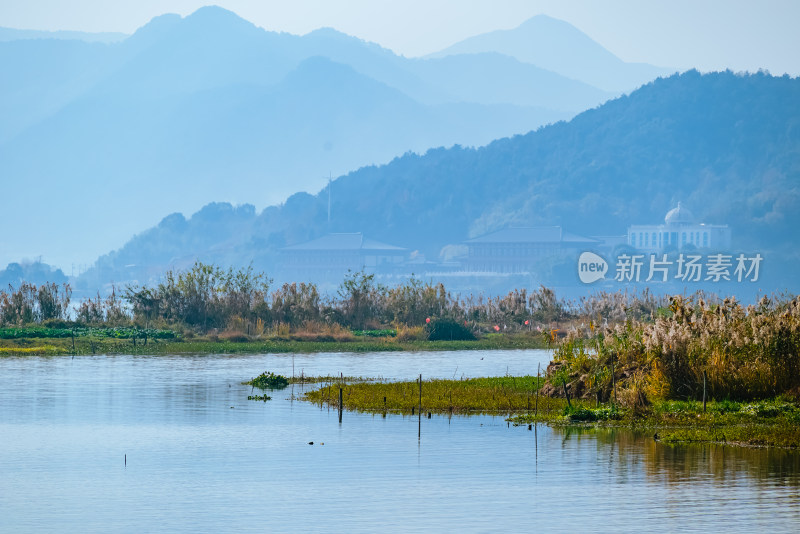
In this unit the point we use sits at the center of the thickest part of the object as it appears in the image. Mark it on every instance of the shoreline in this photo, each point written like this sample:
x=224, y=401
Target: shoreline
x=157, y=347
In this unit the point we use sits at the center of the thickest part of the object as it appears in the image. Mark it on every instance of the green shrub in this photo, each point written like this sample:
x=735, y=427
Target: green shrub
x=580, y=414
x=234, y=337
x=269, y=380
x=448, y=330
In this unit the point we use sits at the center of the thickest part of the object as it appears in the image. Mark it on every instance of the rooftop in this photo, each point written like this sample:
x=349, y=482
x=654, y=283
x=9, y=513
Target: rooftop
x=344, y=241
x=679, y=215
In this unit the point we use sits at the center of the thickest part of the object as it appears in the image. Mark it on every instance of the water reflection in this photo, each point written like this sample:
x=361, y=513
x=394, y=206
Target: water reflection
x=672, y=464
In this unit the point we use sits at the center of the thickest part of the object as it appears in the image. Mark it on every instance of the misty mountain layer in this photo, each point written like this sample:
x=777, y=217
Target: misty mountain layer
x=105, y=138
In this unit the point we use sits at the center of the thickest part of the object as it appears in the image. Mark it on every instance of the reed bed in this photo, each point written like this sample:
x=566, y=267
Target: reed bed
x=696, y=349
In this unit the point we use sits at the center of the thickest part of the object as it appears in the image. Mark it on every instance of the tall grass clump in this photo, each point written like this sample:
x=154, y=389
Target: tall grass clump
x=29, y=304
x=734, y=352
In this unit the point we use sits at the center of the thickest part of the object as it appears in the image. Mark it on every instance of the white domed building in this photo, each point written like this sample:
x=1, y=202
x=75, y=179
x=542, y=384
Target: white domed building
x=679, y=231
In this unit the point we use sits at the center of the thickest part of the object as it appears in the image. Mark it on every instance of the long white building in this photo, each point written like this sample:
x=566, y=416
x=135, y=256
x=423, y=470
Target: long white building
x=679, y=231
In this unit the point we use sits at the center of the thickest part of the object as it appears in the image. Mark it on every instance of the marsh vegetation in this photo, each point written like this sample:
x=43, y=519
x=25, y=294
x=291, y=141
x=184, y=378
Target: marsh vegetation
x=694, y=349
x=769, y=422
x=491, y=395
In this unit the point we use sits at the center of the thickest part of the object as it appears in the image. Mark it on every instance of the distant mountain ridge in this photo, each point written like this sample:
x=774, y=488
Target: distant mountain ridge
x=192, y=109
x=560, y=47
x=13, y=34
x=726, y=145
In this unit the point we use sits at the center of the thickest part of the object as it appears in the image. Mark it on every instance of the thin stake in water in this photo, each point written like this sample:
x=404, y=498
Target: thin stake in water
x=536, y=410
x=419, y=415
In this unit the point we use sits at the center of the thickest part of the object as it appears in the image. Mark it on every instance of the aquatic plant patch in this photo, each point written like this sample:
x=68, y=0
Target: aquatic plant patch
x=269, y=380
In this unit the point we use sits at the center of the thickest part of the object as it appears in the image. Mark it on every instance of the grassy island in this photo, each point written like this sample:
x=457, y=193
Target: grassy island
x=771, y=422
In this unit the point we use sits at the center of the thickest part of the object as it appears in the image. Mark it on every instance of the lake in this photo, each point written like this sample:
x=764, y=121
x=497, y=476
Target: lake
x=153, y=443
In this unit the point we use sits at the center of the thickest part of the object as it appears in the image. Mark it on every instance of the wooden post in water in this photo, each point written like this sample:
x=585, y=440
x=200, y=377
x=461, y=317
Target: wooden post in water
x=564, y=382
x=419, y=415
x=73, y=341
x=340, y=405
x=704, y=391
x=536, y=409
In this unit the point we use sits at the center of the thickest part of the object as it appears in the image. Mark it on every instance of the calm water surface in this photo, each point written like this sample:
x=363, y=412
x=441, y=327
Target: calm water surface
x=201, y=457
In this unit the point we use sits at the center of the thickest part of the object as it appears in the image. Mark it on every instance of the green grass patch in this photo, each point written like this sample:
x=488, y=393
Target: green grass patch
x=492, y=395
x=586, y=414
x=375, y=333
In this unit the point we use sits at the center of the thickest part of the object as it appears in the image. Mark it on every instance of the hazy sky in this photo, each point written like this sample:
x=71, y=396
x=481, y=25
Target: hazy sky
x=707, y=34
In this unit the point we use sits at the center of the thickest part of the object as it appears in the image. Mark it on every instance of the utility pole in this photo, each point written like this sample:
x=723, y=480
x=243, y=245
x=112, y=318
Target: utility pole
x=329, y=201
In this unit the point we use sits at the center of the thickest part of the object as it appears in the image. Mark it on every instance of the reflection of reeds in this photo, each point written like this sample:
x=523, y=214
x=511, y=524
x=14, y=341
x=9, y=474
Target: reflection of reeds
x=692, y=462
x=695, y=463
x=745, y=352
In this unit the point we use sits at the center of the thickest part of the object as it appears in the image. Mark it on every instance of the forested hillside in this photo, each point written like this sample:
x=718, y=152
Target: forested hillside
x=726, y=145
